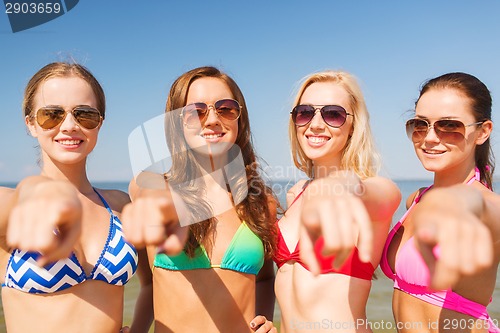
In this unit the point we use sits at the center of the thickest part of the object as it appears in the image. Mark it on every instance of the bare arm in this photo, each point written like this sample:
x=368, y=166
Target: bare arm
x=6, y=203
x=264, y=292
x=143, y=311
x=265, y=297
x=264, y=289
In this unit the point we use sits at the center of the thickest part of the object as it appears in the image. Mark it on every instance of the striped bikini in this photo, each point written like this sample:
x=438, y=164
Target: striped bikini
x=116, y=265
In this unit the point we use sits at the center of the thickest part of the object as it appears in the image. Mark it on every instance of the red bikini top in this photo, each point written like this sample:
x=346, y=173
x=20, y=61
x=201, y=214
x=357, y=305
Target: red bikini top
x=352, y=266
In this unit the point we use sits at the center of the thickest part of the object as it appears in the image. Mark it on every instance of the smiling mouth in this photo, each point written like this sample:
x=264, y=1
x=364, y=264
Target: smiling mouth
x=69, y=142
x=317, y=139
x=212, y=136
x=433, y=152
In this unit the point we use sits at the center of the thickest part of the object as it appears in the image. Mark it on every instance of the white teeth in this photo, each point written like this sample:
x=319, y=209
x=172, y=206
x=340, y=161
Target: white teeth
x=433, y=152
x=69, y=142
x=212, y=136
x=317, y=139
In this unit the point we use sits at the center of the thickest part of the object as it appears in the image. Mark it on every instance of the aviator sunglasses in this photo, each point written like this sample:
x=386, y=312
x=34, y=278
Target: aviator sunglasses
x=195, y=114
x=333, y=115
x=448, y=130
x=51, y=116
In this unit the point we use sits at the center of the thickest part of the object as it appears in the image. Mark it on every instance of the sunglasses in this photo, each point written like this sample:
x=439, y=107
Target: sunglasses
x=49, y=117
x=196, y=113
x=448, y=130
x=333, y=115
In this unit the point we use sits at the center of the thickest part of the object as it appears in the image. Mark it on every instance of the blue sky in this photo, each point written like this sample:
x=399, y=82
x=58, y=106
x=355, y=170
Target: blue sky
x=137, y=49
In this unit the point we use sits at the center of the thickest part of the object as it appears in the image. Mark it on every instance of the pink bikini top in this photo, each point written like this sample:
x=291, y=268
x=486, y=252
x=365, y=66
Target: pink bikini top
x=412, y=274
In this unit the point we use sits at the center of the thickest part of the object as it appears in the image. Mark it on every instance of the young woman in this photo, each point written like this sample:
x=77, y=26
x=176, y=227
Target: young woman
x=332, y=143
x=454, y=221
x=224, y=275
x=66, y=261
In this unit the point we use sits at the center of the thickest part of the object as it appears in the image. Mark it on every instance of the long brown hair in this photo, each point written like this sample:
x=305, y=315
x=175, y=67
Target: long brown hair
x=254, y=207
x=480, y=98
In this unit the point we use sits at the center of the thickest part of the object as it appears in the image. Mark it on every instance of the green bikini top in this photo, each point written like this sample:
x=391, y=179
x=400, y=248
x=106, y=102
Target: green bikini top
x=244, y=254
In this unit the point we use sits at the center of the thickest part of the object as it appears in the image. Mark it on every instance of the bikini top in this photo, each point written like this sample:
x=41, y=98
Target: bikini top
x=116, y=265
x=412, y=274
x=244, y=254
x=352, y=266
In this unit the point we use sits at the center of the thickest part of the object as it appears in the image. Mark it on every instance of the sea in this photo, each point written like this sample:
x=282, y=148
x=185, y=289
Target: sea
x=379, y=308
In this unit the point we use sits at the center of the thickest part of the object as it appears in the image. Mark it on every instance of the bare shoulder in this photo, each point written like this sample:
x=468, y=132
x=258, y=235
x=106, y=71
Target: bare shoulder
x=116, y=199
x=381, y=197
x=490, y=198
x=149, y=180
x=382, y=183
x=413, y=196
x=146, y=180
x=383, y=188
x=6, y=204
x=294, y=191
x=6, y=195
x=298, y=186
x=6, y=192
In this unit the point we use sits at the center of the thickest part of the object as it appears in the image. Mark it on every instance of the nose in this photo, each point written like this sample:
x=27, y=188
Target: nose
x=212, y=116
x=69, y=123
x=317, y=120
x=431, y=135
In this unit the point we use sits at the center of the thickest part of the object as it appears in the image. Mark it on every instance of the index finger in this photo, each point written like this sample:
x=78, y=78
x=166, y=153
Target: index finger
x=307, y=255
x=362, y=219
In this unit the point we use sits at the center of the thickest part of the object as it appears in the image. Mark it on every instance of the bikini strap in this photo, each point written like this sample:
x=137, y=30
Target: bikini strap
x=419, y=196
x=302, y=191
x=103, y=201
x=477, y=176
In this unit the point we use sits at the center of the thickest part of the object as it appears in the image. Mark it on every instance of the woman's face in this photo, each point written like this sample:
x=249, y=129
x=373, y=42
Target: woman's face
x=68, y=142
x=321, y=143
x=437, y=153
x=215, y=134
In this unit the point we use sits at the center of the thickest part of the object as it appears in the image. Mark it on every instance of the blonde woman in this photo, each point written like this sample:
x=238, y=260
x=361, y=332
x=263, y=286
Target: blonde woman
x=332, y=143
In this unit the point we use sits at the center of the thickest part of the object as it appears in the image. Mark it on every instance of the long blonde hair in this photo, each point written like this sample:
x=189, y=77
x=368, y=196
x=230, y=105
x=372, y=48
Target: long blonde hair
x=359, y=154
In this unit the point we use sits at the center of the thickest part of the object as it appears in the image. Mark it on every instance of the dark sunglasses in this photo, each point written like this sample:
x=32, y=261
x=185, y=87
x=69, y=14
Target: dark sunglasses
x=333, y=115
x=448, y=130
x=51, y=116
x=196, y=113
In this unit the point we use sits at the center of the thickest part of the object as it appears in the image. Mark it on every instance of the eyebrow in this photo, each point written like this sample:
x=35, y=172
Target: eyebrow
x=442, y=118
x=61, y=107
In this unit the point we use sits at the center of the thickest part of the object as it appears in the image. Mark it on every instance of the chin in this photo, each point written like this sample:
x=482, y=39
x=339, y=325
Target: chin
x=215, y=150
x=433, y=166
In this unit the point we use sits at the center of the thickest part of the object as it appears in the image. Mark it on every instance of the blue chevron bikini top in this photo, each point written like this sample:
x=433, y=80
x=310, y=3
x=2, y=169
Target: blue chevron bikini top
x=116, y=265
